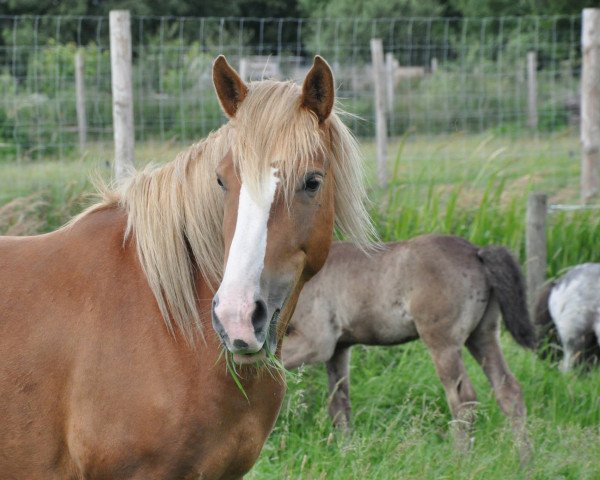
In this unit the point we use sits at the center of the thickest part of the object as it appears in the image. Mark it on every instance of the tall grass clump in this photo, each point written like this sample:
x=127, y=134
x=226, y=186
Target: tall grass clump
x=483, y=202
x=46, y=195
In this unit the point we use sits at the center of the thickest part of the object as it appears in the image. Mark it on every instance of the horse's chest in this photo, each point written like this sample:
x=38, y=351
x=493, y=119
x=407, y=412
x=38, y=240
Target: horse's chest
x=229, y=456
x=207, y=447
x=212, y=432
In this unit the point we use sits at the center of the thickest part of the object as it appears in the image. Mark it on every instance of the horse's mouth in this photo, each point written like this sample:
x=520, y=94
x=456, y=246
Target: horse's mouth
x=248, y=358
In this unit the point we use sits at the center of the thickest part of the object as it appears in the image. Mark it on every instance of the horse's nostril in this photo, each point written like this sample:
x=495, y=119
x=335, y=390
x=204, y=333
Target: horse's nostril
x=259, y=316
x=237, y=343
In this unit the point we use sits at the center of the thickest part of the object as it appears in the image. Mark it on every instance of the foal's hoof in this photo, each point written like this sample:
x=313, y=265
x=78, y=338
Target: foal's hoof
x=462, y=439
x=341, y=424
x=525, y=454
x=463, y=446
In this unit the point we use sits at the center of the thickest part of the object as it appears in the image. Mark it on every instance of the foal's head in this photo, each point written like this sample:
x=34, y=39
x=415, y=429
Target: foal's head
x=278, y=184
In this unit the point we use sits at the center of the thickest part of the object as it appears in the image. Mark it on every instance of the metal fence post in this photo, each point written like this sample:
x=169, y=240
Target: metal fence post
x=380, y=109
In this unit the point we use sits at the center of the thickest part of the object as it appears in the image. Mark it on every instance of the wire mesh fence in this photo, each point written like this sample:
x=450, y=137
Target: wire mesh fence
x=460, y=81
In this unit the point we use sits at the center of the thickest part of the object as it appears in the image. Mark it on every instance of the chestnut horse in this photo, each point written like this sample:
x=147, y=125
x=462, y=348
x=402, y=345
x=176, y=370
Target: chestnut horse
x=109, y=366
x=441, y=289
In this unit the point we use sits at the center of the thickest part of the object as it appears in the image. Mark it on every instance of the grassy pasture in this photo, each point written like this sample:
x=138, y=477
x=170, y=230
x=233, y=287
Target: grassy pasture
x=473, y=186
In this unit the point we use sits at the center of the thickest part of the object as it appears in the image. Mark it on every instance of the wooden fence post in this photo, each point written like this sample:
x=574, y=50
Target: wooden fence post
x=532, y=113
x=80, y=99
x=535, y=245
x=590, y=103
x=122, y=94
x=244, y=69
x=434, y=64
x=389, y=83
x=380, y=121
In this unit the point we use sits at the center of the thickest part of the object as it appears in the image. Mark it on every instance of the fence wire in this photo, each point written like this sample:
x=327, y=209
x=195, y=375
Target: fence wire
x=462, y=81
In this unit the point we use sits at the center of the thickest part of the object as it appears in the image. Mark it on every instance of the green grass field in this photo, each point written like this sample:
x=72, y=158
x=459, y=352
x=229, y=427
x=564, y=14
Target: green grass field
x=473, y=186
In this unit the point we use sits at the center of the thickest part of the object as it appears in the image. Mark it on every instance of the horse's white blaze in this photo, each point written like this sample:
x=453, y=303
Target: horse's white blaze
x=241, y=280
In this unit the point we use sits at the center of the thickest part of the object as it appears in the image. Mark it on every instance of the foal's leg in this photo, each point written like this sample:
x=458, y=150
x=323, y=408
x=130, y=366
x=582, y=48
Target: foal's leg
x=460, y=393
x=338, y=373
x=485, y=347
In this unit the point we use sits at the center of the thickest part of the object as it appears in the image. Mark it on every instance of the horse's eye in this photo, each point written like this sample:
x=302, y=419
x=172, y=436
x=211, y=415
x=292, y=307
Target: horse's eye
x=312, y=183
x=220, y=182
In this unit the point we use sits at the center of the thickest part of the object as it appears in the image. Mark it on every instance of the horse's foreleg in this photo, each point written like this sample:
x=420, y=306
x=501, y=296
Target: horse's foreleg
x=484, y=346
x=338, y=373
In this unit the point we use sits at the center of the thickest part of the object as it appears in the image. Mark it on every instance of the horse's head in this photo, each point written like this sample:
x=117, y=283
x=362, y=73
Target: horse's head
x=279, y=196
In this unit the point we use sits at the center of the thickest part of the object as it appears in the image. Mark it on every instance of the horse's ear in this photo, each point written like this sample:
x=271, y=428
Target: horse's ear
x=230, y=88
x=318, y=90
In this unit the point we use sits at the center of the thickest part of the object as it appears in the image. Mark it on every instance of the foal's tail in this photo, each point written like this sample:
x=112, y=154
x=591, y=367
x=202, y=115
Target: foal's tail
x=505, y=277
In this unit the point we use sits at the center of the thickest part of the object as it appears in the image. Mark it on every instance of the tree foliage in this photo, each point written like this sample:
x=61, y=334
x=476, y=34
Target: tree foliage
x=177, y=8
x=489, y=8
x=371, y=8
x=293, y=8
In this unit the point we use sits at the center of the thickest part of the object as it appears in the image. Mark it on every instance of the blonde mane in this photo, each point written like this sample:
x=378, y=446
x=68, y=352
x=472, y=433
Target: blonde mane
x=175, y=212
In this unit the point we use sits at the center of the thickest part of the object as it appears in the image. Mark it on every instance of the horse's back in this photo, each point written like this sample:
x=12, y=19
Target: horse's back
x=424, y=266
x=443, y=283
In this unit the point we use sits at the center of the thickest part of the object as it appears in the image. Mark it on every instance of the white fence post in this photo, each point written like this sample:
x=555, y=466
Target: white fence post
x=380, y=121
x=243, y=69
x=535, y=245
x=590, y=103
x=532, y=112
x=80, y=99
x=389, y=83
x=122, y=95
x=389, y=80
